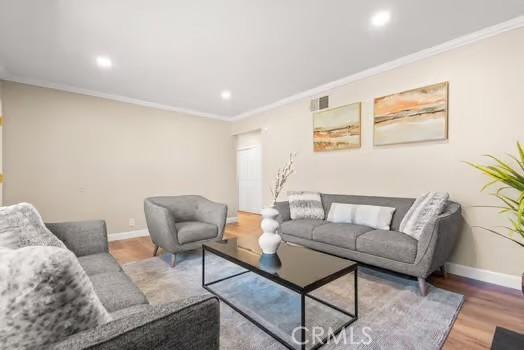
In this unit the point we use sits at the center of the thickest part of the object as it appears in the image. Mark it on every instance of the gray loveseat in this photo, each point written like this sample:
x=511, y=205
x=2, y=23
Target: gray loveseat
x=392, y=250
x=190, y=324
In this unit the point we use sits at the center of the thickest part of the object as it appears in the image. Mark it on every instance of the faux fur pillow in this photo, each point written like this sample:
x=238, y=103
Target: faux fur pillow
x=45, y=296
x=305, y=205
x=21, y=225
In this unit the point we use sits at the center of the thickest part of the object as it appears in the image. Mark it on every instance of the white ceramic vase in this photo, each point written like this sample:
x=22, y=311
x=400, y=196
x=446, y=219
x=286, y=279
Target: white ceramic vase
x=270, y=239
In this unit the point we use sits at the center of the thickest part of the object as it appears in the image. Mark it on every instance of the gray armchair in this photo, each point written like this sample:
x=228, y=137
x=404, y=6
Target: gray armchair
x=181, y=223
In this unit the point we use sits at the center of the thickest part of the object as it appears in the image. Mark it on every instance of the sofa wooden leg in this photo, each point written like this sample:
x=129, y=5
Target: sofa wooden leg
x=155, y=251
x=422, y=286
x=444, y=271
x=173, y=260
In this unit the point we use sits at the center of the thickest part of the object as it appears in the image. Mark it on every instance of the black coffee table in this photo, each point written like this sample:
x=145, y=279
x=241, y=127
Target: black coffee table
x=299, y=269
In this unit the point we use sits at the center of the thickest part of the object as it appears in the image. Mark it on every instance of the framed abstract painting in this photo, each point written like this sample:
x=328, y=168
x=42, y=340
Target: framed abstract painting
x=412, y=116
x=337, y=128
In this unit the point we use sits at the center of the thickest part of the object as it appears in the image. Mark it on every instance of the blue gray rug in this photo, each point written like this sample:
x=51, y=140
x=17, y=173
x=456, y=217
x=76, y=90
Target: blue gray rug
x=391, y=313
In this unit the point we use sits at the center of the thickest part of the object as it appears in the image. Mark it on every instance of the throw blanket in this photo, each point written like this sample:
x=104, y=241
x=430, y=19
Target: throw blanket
x=424, y=210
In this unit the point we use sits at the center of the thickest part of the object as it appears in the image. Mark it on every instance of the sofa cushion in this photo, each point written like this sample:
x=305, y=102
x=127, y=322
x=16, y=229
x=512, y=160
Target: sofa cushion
x=193, y=231
x=116, y=291
x=302, y=228
x=392, y=245
x=99, y=263
x=341, y=235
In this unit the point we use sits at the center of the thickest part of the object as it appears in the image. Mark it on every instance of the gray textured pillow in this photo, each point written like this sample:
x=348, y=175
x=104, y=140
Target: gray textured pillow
x=45, y=297
x=21, y=225
x=305, y=205
x=424, y=210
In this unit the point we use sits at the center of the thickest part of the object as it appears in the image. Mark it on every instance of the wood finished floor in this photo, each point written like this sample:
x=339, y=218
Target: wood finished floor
x=486, y=306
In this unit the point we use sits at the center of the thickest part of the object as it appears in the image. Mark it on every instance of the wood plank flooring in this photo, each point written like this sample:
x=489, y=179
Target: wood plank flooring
x=486, y=306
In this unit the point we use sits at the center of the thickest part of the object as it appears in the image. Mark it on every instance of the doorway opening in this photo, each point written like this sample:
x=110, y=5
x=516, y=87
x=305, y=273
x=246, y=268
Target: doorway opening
x=249, y=172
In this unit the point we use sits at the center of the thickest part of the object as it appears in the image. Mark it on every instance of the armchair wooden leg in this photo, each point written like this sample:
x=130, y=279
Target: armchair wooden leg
x=155, y=251
x=173, y=260
x=444, y=271
x=422, y=286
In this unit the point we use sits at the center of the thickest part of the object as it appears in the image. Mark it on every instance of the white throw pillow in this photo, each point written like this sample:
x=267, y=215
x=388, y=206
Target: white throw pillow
x=305, y=205
x=45, y=297
x=367, y=215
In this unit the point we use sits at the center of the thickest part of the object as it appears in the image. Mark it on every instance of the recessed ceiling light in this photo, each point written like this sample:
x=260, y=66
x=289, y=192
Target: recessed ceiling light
x=226, y=95
x=381, y=18
x=104, y=62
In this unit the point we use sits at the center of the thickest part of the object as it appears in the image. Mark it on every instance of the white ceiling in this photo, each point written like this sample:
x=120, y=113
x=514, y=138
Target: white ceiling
x=184, y=53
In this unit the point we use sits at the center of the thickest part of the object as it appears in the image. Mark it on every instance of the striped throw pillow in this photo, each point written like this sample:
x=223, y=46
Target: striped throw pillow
x=424, y=211
x=305, y=205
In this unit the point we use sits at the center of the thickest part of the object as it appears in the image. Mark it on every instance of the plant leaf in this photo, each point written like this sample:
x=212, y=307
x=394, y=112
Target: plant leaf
x=501, y=235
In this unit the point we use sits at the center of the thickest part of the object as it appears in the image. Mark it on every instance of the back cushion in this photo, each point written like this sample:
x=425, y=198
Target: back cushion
x=401, y=205
x=182, y=207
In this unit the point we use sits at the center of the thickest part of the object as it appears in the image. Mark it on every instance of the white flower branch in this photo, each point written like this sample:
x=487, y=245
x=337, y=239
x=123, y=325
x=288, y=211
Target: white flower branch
x=282, y=175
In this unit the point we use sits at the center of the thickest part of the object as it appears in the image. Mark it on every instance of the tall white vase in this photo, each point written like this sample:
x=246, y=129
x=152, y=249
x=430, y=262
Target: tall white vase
x=270, y=239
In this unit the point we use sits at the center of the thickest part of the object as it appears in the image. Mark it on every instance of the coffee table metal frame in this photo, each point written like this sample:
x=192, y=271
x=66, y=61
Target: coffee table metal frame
x=303, y=292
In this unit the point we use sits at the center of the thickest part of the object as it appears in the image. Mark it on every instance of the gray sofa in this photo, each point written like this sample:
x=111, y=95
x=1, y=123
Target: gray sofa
x=392, y=250
x=190, y=324
x=181, y=223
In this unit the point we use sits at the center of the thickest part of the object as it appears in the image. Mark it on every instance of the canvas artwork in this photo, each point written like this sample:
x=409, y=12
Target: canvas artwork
x=412, y=116
x=337, y=128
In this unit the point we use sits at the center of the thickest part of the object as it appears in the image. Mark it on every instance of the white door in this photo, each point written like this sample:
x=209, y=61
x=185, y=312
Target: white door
x=249, y=179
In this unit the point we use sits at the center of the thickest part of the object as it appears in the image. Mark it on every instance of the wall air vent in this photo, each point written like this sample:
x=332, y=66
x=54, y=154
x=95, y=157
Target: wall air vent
x=319, y=103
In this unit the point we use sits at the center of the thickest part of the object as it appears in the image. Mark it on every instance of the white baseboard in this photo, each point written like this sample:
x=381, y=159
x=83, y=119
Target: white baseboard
x=501, y=279
x=142, y=233
x=126, y=235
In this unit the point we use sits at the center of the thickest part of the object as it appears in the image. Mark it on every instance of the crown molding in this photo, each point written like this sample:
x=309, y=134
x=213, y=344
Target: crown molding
x=464, y=40
x=76, y=90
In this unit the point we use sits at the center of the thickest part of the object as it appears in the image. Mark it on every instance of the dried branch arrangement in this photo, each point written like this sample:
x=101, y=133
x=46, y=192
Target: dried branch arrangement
x=282, y=175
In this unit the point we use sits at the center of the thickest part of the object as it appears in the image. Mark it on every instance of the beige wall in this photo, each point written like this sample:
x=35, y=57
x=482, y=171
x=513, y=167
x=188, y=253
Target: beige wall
x=79, y=157
x=248, y=139
x=486, y=116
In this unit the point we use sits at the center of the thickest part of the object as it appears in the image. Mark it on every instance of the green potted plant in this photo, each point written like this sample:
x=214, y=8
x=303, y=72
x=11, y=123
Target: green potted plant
x=509, y=177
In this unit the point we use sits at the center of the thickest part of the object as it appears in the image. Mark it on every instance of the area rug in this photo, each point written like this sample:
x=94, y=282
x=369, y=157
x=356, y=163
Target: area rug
x=391, y=313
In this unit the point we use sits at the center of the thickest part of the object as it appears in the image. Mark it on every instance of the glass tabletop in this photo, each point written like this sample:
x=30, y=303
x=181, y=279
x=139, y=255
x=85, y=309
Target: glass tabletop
x=298, y=268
